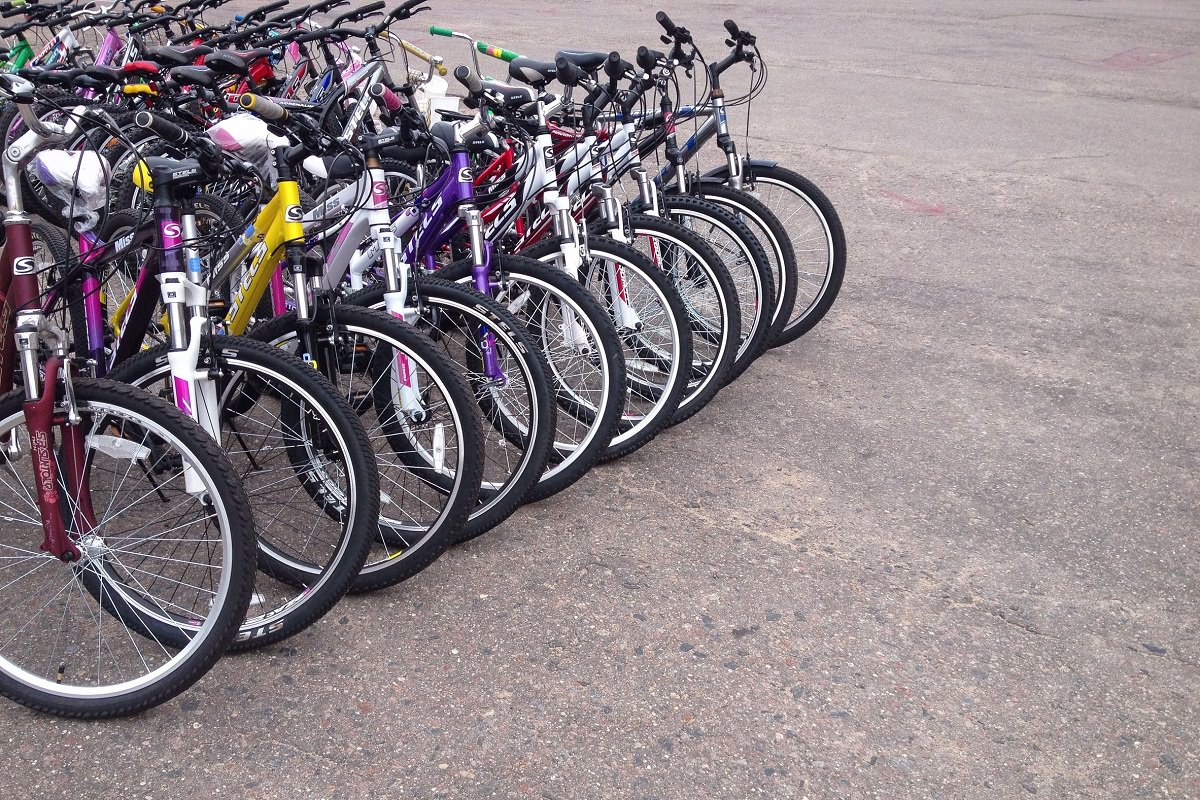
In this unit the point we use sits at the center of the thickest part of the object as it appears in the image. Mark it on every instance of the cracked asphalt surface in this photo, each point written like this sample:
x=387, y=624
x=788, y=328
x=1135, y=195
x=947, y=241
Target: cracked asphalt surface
x=943, y=546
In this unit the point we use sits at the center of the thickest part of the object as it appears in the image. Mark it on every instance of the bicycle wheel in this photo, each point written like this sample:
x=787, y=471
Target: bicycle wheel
x=710, y=297
x=422, y=423
x=654, y=330
x=748, y=265
x=153, y=542
x=586, y=365
x=518, y=416
x=774, y=239
x=290, y=437
x=817, y=238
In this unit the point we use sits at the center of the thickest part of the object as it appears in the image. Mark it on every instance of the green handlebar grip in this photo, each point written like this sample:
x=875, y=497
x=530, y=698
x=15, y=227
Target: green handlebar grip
x=438, y=30
x=496, y=52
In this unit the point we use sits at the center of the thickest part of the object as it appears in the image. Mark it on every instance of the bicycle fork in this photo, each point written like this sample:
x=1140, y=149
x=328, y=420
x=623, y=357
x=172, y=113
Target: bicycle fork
x=183, y=291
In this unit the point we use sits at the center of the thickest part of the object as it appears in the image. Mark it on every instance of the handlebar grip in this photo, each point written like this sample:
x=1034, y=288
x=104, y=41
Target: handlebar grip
x=567, y=73
x=386, y=96
x=732, y=27
x=369, y=9
x=264, y=107
x=496, y=52
x=439, y=30
x=327, y=5
x=614, y=66
x=665, y=21
x=168, y=131
x=645, y=59
x=469, y=79
x=262, y=11
x=402, y=10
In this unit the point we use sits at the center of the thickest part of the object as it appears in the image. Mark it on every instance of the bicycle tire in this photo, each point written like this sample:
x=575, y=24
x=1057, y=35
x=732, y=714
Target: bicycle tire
x=748, y=265
x=827, y=276
x=589, y=376
x=446, y=308
x=710, y=296
x=303, y=569
x=773, y=236
x=645, y=359
x=400, y=548
x=101, y=403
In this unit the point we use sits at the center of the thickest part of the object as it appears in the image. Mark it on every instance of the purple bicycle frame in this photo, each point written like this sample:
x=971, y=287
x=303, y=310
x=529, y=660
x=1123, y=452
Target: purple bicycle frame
x=438, y=224
x=109, y=47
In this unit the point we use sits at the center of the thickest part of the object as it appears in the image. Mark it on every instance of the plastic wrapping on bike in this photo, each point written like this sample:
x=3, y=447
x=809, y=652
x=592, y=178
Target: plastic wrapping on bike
x=252, y=141
x=77, y=178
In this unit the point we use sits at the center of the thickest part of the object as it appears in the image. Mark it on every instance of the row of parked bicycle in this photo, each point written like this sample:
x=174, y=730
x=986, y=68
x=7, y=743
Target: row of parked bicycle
x=284, y=319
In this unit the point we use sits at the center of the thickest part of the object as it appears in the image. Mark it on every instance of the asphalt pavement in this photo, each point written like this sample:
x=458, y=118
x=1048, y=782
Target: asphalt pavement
x=944, y=546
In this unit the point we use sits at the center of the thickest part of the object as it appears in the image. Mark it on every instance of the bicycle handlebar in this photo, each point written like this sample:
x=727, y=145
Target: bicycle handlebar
x=264, y=107
x=496, y=52
x=168, y=131
x=412, y=49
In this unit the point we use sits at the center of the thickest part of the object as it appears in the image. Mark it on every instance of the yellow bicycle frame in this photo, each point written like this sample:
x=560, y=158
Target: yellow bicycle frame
x=276, y=226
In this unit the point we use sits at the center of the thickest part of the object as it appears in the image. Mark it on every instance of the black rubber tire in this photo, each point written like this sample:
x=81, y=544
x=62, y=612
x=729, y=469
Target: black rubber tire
x=638, y=429
x=445, y=298
x=320, y=584
x=748, y=264
x=773, y=237
x=569, y=463
x=207, y=455
x=344, y=321
x=806, y=314
x=721, y=337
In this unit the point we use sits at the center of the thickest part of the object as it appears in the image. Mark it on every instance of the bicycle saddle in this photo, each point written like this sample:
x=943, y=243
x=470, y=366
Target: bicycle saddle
x=534, y=73
x=178, y=56
x=106, y=75
x=586, y=61
x=513, y=96
x=194, y=76
x=225, y=63
x=55, y=77
x=176, y=172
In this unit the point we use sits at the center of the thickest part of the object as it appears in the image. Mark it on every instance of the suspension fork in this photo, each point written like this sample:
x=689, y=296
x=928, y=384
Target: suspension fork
x=288, y=192
x=481, y=274
x=725, y=141
x=396, y=295
x=183, y=292
x=39, y=406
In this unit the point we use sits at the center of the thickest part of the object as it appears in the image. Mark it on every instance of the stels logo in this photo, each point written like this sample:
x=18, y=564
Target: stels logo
x=293, y=214
x=171, y=230
x=24, y=266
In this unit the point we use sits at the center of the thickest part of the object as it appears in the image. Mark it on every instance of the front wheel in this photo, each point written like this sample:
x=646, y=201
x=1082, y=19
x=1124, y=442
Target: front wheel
x=421, y=421
x=583, y=355
x=163, y=523
x=517, y=412
x=653, y=326
x=303, y=458
x=817, y=237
